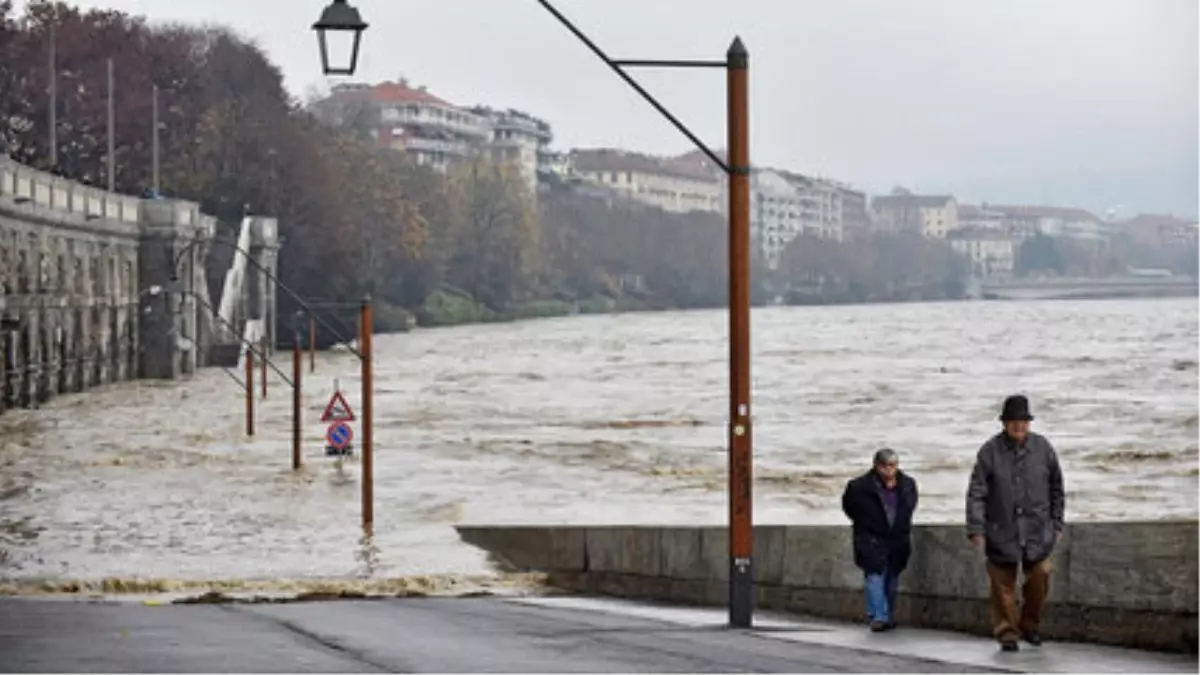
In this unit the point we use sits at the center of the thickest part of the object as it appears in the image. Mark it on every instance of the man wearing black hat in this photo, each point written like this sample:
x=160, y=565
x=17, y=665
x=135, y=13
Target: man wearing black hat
x=1015, y=505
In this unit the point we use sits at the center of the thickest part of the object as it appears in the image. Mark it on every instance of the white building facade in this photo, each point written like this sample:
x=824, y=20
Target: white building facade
x=991, y=252
x=437, y=133
x=670, y=185
x=785, y=205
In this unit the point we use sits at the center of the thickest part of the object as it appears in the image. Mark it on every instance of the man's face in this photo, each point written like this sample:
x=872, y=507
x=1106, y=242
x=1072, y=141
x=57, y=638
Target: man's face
x=1018, y=430
x=887, y=470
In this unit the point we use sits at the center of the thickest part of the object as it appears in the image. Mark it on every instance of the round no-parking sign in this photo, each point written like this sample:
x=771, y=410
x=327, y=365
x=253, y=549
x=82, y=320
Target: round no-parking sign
x=339, y=435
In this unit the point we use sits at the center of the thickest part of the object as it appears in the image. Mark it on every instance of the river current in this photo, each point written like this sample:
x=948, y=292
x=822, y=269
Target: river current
x=593, y=420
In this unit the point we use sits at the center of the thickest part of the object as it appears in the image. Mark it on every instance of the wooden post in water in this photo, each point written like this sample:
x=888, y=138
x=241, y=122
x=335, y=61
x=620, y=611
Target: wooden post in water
x=249, y=390
x=368, y=478
x=297, y=373
x=312, y=345
x=263, y=344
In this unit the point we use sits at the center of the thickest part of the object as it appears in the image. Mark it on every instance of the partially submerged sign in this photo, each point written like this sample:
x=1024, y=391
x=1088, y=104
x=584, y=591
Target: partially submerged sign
x=338, y=410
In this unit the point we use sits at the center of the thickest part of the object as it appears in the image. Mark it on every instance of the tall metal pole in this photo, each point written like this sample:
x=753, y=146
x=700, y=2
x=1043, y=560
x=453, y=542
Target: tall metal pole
x=249, y=390
x=368, y=478
x=53, y=69
x=263, y=346
x=112, y=142
x=155, y=140
x=296, y=397
x=312, y=345
x=741, y=524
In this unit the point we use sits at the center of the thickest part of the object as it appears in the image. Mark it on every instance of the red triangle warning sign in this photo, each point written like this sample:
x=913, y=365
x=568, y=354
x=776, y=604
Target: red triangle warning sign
x=338, y=409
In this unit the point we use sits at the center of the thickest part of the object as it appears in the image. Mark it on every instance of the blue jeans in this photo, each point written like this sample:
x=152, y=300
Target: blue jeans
x=881, y=595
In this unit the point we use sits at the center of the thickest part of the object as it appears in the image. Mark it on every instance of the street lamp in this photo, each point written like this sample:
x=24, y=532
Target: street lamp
x=736, y=65
x=347, y=27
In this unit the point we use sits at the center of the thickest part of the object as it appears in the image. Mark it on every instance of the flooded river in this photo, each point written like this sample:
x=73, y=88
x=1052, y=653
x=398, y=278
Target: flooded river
x=599, y=419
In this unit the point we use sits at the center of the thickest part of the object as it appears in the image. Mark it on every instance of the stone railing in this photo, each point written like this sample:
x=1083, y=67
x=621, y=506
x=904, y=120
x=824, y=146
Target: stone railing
x=47, y=191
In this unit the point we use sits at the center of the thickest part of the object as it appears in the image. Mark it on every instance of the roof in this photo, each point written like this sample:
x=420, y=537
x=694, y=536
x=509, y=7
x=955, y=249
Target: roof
x=1066, y=213
x=607, y=159
x=977, y=234
x=1151, y=220
x=920, y=201
x=386, y=92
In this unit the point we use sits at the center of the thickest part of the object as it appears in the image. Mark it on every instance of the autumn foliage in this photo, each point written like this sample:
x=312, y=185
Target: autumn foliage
x=356, y=219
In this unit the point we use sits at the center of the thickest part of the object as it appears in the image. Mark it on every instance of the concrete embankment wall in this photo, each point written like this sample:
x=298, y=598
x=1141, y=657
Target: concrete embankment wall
x=1129, y=584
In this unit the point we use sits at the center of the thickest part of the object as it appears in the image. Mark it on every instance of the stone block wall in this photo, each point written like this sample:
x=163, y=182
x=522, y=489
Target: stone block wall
x=1130, y=584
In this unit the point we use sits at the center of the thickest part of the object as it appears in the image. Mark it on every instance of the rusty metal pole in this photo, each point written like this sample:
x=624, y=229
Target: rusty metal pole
x=312, y=345
x=741, y=523
x=249, y=391
x=297, y=372
x=368, y=478
x=263, y=346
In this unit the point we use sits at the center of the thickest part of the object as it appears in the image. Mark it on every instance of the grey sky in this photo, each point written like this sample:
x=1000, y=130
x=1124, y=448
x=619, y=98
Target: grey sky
x=1091, y=103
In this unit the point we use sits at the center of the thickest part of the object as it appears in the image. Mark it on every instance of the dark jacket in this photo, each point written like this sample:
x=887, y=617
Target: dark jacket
x=876, y=542
x=1016, y=499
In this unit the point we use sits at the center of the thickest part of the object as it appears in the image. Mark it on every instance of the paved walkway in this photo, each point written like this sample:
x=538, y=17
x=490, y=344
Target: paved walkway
x=547, y=634
x=943, y=646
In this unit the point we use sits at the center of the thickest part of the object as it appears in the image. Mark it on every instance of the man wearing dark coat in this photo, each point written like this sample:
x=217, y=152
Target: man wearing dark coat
x=880, y=505
x=1015, y=506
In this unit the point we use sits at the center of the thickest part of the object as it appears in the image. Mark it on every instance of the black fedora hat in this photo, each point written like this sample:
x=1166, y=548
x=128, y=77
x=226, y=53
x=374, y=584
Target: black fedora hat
x=1016, y=408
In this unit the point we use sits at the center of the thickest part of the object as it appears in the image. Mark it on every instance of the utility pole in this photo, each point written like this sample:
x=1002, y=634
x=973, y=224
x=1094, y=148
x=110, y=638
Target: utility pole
x=155, y=141
x=53, y=70
x=112, y=161
x=741, y=524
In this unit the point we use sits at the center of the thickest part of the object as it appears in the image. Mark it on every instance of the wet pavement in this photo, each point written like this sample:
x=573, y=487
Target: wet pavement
x=561, y=634
x=587, y=420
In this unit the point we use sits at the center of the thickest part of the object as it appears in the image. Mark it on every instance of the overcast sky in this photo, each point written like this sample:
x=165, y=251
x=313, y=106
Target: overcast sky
x=1088, y=103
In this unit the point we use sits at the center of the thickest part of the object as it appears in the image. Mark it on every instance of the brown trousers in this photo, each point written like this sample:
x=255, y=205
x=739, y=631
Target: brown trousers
x=1007, y=622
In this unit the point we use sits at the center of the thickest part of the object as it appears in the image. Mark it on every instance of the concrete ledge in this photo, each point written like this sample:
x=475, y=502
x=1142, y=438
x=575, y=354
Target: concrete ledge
x=1127, y=584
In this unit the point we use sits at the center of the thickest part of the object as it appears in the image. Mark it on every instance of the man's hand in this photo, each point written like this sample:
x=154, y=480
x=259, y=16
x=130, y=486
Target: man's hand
x=977, y=541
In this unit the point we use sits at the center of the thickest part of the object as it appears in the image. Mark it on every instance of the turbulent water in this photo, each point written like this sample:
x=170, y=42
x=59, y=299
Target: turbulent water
x=604, y=419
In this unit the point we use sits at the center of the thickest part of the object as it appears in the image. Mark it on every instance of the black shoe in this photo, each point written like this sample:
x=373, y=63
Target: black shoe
x=1009, y=645
x=1033, y=637
x=878, y=626
x=891, y=625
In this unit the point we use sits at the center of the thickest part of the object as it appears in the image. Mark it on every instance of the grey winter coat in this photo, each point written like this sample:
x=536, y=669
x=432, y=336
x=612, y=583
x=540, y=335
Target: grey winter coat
x=1016, y=499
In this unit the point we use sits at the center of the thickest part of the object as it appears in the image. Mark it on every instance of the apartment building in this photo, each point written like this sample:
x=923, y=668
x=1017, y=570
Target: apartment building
x=931, y=216
x=518, y=138
x=435, y=132
x=785, y=205
x=991, y=252
x=1023, y=222
x=667, y=183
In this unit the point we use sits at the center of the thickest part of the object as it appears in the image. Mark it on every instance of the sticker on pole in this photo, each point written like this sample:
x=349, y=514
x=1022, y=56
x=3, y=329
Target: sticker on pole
x=338, y=409
x=339, y=435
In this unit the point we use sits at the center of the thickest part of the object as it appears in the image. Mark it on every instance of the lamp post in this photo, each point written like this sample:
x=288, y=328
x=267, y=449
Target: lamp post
x=341, y=22
x=339, y=16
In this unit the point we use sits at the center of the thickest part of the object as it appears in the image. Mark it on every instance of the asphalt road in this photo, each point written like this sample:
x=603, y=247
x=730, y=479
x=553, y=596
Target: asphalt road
x=405, y=635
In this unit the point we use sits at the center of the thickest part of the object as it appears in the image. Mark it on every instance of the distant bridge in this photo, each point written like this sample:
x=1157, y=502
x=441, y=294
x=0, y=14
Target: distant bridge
x=1085, y=289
